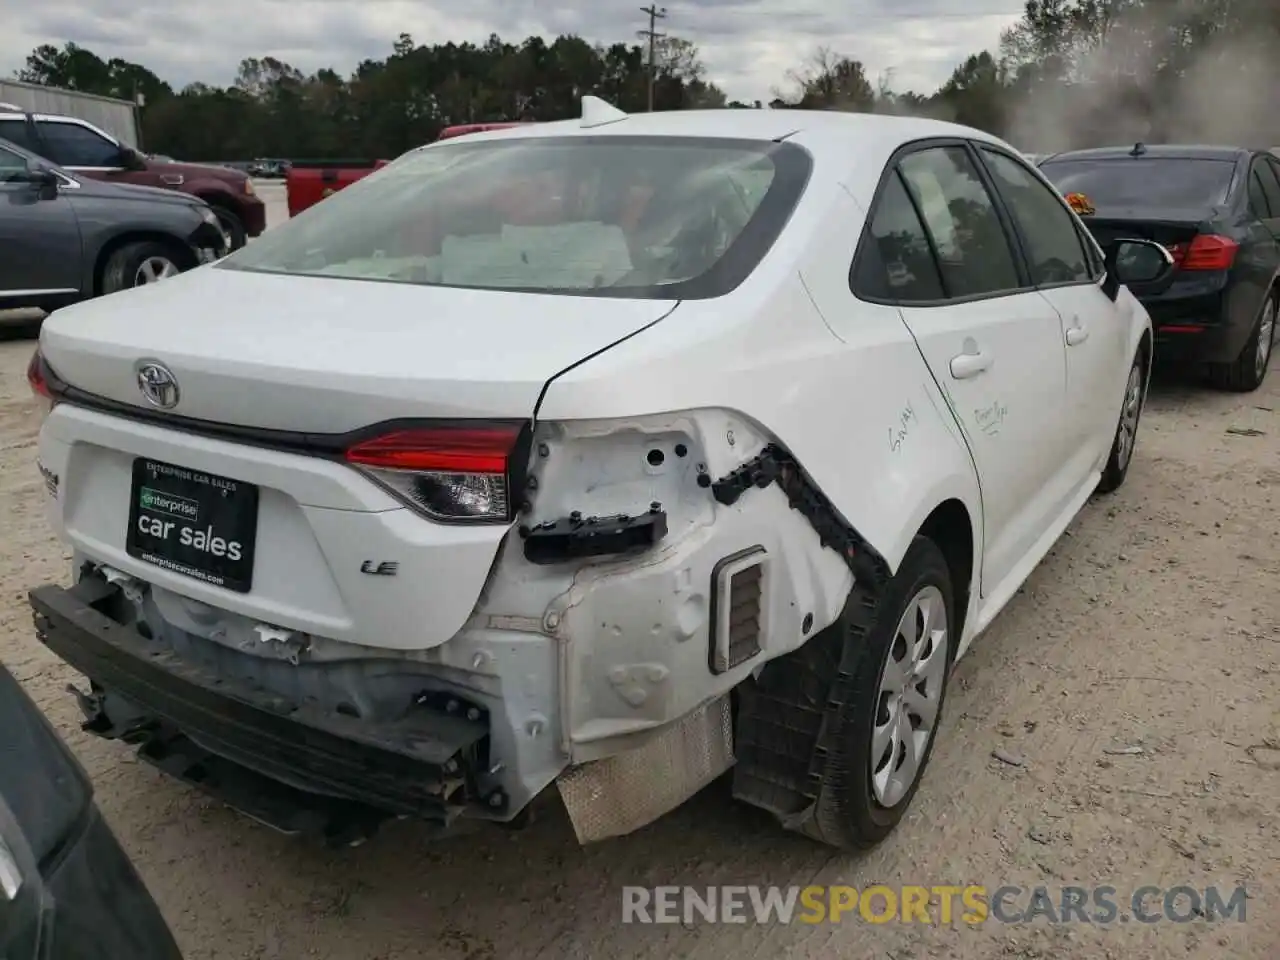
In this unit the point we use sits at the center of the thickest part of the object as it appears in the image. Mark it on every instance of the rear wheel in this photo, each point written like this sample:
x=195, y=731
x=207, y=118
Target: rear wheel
x=139, y=264
x=886, y=716
x=1250, y=368
x=1126, y=437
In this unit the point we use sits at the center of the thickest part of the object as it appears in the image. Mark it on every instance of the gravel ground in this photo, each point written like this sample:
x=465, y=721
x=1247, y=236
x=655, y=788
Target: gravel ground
x=1131, y=683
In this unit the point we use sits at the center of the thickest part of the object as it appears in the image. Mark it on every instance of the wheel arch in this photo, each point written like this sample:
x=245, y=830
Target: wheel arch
x=219, y=197
x=951, y=528
x=180, y=250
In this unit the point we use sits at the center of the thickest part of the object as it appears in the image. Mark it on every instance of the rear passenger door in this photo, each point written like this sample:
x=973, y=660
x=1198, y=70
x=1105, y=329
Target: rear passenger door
x=1067, y=272
x=937, y=248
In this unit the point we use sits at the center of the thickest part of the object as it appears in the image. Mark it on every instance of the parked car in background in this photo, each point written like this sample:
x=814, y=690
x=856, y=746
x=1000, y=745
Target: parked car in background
x=65, y=238
x=269, y=169
x=68, y=891
x=1217, y=210
x=88, y=152
x=592, y=430
x=309, y=181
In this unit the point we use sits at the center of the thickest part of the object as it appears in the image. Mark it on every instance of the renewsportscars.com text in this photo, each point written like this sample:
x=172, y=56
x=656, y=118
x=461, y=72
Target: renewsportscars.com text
x=931, y=905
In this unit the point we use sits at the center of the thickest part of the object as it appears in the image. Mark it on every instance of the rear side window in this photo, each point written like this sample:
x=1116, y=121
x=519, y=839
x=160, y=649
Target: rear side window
x=17, y=132
x=960, y=217
x=1054, y=251
x=1174, y=182
x=71, y=145
x=894, y=260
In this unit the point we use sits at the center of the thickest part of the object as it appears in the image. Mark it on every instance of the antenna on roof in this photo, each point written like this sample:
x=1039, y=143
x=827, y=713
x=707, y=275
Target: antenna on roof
x=1138, y=150
x=597, y=112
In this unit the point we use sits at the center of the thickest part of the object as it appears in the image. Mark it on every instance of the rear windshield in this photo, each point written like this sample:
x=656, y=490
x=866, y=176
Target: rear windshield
x=1144, y=181
x=643, y=217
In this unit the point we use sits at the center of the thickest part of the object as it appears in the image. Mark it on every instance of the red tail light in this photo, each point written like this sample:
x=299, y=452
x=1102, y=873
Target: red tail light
x=35, y=377
x=38, y=381
x=1206, y=252
x=449, y=473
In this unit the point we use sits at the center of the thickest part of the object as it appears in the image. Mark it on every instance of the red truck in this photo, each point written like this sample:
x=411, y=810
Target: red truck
x=308, y=182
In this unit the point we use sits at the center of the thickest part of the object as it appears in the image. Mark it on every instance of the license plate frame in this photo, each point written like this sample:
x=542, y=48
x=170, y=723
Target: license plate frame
x=201, y=525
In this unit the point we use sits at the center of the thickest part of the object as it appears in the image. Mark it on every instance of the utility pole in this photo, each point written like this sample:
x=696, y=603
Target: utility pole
x=139, y=101
x=655, y=13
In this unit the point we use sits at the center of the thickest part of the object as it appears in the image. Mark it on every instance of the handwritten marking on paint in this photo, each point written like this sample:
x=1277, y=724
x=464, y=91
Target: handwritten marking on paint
x=906, y=420
x=990, y=419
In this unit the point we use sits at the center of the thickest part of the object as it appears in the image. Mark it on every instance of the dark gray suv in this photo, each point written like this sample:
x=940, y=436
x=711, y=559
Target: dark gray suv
x=64, y=238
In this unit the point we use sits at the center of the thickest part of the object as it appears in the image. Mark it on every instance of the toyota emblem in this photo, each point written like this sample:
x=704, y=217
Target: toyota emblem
x=158, y=385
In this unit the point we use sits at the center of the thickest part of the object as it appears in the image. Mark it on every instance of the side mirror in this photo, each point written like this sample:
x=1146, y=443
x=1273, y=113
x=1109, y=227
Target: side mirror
x=44, y=180
x=131, y=159
x=1142, y=264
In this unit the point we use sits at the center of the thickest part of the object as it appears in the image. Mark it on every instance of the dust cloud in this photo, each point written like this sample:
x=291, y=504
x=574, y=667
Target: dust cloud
x=1121, y=91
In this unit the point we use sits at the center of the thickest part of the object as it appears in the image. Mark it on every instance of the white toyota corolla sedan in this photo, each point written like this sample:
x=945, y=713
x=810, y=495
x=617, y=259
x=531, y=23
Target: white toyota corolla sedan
x=611, y=453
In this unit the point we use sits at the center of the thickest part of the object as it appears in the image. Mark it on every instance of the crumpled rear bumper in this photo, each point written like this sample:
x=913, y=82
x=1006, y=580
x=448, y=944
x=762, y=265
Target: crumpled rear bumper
x=288, y=764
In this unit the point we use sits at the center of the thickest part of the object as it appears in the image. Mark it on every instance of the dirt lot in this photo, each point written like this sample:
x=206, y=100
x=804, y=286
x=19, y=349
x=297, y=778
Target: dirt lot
x=1154, y=624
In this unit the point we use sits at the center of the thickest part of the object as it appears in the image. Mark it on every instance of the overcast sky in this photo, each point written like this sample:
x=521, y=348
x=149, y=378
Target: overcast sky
x=748, y=45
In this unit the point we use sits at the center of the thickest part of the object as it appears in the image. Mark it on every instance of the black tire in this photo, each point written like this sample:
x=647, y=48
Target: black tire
x=847, y=814
x=1247, y=372
x=232, y=224
x=121, y=271
x=1126, y=436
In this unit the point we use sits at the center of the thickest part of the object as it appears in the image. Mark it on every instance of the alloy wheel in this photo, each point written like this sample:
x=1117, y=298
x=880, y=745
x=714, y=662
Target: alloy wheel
x=1266, y=334
x=153, y=270
x=1132, y=409
x=910, y=696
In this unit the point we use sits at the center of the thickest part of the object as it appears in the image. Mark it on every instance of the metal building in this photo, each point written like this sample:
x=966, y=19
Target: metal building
x=116, y=117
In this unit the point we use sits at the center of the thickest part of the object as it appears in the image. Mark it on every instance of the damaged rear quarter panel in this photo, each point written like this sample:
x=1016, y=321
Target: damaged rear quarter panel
x=859, y=411
x=633, y=631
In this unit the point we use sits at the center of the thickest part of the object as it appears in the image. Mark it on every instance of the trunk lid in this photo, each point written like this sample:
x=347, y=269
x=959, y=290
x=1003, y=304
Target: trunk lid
x=1167, y=227
x=248, y=535
x=322, y=355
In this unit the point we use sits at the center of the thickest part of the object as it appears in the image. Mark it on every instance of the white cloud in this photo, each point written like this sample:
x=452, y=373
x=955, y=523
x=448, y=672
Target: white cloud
x=748, y=45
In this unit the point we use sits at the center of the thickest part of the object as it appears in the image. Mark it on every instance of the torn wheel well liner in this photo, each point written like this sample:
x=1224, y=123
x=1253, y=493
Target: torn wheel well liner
x=783, y=726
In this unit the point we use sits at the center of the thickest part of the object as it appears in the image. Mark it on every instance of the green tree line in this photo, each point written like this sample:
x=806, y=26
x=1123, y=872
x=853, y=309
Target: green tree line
x=1069, y=73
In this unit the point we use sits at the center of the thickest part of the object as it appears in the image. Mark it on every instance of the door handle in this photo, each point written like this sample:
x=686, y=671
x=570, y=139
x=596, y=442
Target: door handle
x=968, y=365
x=1076, y=336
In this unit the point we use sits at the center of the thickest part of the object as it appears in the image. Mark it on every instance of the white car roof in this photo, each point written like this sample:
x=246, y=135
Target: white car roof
x=816, y=129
